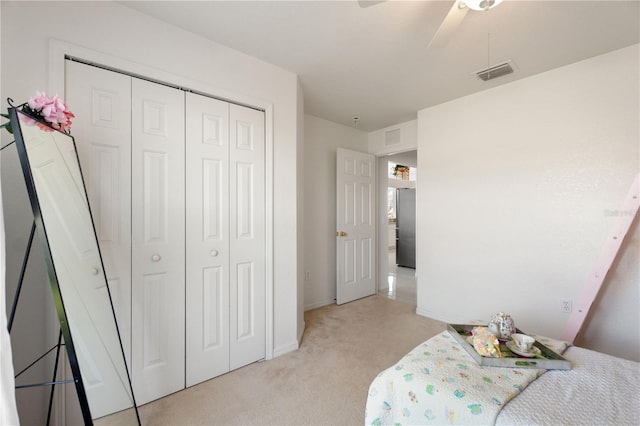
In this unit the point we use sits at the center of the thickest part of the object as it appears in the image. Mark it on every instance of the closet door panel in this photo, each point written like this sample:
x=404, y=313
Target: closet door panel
x=247, y=235
x=158, y=240
x=103, y=139
x=181, y=230
x=207, y=247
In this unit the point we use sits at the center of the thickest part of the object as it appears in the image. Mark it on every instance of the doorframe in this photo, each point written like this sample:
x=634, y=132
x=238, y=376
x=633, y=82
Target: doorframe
x=58, y=52
x=382, y=223
x=382, y=248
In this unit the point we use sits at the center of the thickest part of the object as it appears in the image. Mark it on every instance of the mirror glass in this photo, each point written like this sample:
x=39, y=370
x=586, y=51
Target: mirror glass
x=63, y=217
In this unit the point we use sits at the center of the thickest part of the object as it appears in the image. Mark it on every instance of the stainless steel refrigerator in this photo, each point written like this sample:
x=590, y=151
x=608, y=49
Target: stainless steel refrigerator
x=406, y=227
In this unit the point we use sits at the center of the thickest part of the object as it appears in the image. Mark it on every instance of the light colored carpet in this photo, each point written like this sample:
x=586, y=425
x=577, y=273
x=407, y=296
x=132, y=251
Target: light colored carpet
x=324, y=382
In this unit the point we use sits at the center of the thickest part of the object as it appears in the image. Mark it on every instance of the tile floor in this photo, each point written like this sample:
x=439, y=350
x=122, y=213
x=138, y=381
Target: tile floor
x=402, y=282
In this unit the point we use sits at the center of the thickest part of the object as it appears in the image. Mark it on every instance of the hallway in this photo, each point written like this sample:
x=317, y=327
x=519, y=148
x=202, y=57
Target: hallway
x=402, y=282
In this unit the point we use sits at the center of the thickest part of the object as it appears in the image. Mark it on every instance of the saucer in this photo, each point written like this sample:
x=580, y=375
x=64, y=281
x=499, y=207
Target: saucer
x=513, y=348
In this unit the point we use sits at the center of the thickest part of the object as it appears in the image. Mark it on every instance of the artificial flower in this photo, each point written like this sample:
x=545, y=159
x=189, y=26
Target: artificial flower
x=52, y=110
x=46, y=112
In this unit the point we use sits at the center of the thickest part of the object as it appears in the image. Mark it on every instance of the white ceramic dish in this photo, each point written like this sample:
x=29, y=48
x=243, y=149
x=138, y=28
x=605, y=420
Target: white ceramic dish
x=513, y=348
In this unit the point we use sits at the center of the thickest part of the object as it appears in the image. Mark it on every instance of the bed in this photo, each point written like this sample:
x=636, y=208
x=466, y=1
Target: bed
x=439, y=383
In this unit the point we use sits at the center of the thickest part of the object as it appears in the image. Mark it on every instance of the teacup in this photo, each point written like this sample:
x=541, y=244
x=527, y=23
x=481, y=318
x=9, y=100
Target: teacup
x=523, y=342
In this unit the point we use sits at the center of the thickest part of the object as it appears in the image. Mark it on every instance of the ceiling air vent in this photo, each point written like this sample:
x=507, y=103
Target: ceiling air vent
x=495, y=71
x=392, y=137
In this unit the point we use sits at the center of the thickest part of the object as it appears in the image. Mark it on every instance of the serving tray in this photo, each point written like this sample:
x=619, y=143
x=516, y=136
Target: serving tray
x=548, y=359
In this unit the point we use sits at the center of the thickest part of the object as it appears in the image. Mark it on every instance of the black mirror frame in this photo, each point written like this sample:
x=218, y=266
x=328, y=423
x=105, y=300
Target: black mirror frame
x=53, y=278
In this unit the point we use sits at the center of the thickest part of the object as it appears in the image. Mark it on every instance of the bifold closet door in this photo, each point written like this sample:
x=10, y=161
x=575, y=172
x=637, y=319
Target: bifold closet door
x=102, y=132
x=207, y=248
x=247, y=182
x=225, y=237
x=131, y=142
x=158, y=240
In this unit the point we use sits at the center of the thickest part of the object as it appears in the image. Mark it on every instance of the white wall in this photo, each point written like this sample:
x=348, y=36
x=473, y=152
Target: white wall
x=321, y=140
x=513, y=190
x=118, y=31
x=379, y=143
x=612, y=326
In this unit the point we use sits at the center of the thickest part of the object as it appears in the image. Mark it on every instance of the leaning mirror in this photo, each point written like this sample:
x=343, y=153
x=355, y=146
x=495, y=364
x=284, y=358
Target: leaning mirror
x=81, y=294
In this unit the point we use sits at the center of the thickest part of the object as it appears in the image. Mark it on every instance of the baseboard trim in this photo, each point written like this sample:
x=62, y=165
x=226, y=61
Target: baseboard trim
x=285, y=349
x=425, y=313
x=446, y=318
x=319, y=304
x=301, y=332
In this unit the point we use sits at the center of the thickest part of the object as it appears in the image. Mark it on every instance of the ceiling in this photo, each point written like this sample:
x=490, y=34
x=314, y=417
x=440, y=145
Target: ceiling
x=374, y=62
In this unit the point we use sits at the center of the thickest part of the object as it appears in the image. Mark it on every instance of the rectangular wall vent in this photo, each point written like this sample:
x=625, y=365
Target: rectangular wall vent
x=392, y=137
x=495, y=71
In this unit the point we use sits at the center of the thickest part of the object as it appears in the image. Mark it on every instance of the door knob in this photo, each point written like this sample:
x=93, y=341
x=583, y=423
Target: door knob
x=156, y=257
x=341, y=234
x=213, y=253
x=95, y=271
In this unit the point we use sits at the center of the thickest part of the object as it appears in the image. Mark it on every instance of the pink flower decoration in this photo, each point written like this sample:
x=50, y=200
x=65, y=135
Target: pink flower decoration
x=38, y=101
x=52, y=110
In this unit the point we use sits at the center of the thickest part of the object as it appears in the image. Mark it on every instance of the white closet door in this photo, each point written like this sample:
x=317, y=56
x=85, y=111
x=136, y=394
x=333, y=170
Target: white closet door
x=247, y=235
x=158, y=240
x=133, y=150
x=207, y=246
x=102, y=131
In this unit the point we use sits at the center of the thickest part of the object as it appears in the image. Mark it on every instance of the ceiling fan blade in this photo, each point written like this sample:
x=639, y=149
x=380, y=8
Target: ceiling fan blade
x=367, y=3
x=450, y=24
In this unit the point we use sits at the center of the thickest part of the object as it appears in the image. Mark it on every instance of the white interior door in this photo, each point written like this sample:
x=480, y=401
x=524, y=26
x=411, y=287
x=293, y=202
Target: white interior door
x=134, y=156
x=355, y=220
x=225, y=237
x=247, y=239
x=207, y=244
x=158, y=240
x=103, y=139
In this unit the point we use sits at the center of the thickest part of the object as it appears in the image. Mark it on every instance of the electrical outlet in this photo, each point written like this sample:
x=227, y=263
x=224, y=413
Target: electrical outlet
x=566, y=306
x=307, y=276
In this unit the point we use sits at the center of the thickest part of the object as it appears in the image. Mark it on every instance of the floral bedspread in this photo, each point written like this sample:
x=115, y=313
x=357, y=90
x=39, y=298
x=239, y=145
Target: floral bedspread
x=439, y=383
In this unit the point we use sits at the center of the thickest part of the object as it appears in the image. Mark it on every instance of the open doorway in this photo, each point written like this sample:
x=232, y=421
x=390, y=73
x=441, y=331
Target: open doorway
x=398, y=274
